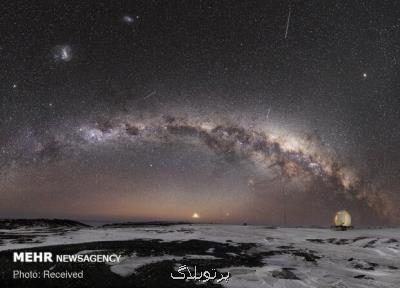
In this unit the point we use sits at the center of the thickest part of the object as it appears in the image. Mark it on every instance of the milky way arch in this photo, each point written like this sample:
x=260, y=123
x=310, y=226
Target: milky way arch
x=289, y=157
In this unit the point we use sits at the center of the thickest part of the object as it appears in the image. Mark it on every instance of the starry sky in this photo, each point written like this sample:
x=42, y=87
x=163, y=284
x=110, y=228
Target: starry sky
x=269, y=112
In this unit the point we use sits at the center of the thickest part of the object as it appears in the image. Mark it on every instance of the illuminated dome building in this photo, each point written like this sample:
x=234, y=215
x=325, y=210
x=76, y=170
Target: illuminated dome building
x=342, y=220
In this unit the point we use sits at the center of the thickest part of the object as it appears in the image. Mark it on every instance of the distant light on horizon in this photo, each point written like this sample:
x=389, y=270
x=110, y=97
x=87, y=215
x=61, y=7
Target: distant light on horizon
x=195, y=215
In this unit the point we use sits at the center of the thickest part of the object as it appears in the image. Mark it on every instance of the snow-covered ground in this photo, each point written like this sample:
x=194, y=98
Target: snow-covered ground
x=355, y=258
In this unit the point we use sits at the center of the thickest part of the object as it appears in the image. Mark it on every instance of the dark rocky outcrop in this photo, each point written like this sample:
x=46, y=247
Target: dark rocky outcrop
x=48, y=223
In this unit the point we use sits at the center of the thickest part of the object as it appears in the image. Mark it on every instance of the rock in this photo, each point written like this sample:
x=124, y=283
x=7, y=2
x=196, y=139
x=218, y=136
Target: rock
x=285, y=273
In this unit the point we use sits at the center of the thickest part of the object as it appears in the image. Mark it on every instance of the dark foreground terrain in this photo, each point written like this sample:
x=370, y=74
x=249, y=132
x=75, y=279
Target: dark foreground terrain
x=255, y=256
x=152, y=275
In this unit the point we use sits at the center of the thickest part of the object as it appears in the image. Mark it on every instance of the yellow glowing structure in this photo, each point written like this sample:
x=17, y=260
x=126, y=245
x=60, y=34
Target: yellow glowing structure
x=342, y=220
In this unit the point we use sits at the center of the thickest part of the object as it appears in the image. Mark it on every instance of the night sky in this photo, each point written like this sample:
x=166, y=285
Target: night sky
x=273, y=112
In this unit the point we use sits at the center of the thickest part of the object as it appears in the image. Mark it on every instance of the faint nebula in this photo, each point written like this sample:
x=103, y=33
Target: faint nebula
x=62, y=53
